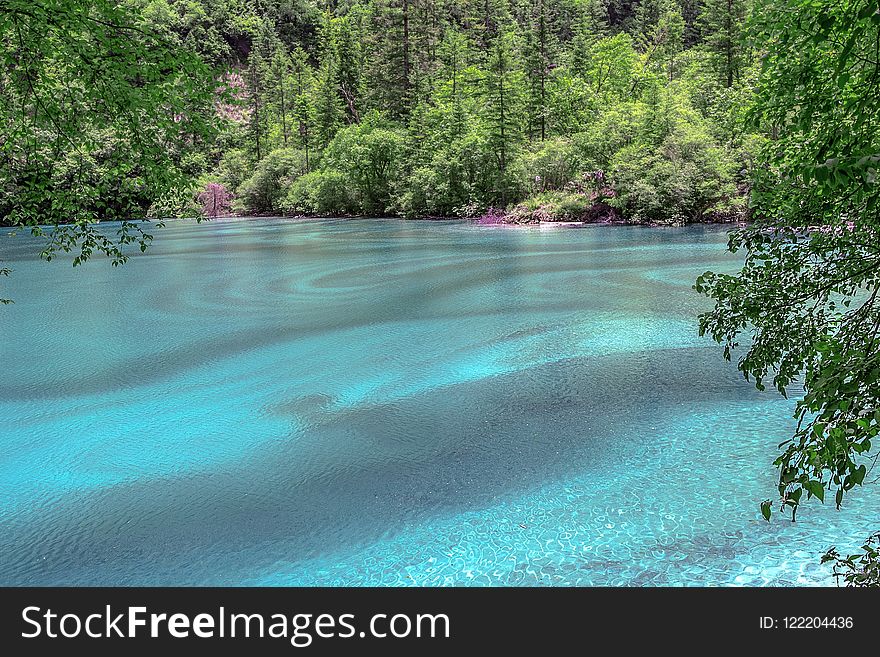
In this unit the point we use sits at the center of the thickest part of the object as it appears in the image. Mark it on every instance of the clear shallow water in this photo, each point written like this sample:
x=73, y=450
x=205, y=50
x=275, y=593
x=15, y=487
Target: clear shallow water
x=383, y=402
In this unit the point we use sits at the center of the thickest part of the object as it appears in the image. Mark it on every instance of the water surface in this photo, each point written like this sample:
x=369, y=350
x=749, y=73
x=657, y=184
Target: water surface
x=389, y=402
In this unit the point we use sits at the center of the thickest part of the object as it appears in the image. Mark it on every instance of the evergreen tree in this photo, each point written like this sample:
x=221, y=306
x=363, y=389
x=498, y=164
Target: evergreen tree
x=538, y=55
x=257, y=73
x=346, y=43
x=722, y=23
x=329, y=110
x=592, y=24
x=303, y=109
x=503, y=105
x=390, y=60
x=280, y=73
x=660, y=33
x=454, y=53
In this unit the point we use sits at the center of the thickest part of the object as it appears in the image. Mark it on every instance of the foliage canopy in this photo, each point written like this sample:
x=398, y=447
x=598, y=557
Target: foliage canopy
x=805, y=303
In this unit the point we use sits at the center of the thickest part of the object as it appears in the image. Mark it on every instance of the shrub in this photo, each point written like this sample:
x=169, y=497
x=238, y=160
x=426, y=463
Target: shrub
x=214, y=200
x=325, y=192
x=451, y=183
x=369, y=156
x=551, y=206
x=273, y=175
x=550, y=167
x=234, y=168
x=177, y=202
x=432, y=190
x=613, y=129
x=686, y=179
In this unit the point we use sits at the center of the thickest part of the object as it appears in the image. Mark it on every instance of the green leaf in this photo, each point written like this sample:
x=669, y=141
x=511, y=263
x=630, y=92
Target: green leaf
x=858, y=475
x=816, y=489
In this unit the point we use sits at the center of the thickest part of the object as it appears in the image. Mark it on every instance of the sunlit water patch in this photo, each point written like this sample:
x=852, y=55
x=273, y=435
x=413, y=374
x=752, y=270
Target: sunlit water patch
x=388, y=402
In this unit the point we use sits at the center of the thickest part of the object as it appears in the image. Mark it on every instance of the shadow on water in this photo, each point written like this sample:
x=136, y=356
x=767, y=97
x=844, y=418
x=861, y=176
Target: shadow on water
x=360, y=473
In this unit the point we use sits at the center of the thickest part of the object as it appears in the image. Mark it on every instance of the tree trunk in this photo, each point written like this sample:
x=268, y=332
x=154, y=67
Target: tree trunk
x=729, y=43
x=283, y=108
x=406, y=62
x=542, y=31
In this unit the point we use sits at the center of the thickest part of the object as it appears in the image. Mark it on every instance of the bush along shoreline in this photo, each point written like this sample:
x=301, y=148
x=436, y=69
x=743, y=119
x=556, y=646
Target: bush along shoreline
x=591, y=199
x=685, y=177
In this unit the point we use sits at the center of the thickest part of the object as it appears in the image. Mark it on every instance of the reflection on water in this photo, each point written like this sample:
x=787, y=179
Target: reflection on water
x=388, y=402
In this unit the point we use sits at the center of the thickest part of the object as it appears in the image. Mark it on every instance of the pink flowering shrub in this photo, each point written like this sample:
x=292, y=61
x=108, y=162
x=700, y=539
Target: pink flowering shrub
x=491, y=217
x=215, y=200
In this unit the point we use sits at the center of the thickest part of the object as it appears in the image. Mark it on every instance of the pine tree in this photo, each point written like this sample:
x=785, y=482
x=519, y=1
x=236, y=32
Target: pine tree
x=538, y=55
x=660, y=32
x=256, y=94
x=303, y=103
x=403, y=41
x=594, y=17
x=503, y=88
x=722, y=23
x=346, y=45
x=454, y=57
x=329, y=109
x=592, y=25
x=280, y=73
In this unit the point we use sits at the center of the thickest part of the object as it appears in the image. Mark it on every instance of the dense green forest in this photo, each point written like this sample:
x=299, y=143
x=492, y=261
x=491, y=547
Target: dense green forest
x=522, y=109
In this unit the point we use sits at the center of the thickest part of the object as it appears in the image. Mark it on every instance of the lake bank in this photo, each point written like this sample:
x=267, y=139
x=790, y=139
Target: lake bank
x=487, y=219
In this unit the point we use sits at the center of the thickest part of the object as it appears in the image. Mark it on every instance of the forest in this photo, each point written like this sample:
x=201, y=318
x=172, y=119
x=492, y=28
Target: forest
x=513, y=110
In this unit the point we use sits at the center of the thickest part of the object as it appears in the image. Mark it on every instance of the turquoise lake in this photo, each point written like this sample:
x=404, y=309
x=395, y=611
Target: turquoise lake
x=381, y=402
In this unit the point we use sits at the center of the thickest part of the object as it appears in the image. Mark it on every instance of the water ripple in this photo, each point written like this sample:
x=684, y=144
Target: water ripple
x=388, y=403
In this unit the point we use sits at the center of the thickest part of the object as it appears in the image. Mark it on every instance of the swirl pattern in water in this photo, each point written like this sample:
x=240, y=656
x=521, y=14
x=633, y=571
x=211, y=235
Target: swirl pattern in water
x=388, y=402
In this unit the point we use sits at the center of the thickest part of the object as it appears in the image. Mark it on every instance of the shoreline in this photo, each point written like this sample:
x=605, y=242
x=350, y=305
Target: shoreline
x=477, y=221
x=474, y=221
